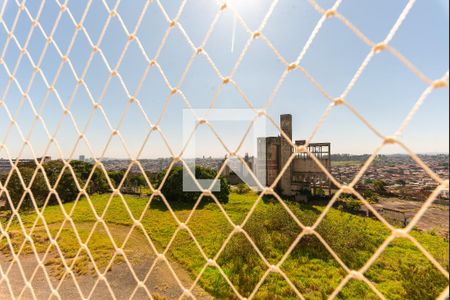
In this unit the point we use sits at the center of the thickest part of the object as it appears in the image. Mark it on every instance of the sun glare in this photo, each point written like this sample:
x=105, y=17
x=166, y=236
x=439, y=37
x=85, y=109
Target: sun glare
x=243, y=5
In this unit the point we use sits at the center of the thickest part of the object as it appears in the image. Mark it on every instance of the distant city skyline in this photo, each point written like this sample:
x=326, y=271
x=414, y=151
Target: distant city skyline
x=88, y=159
x=384, y=95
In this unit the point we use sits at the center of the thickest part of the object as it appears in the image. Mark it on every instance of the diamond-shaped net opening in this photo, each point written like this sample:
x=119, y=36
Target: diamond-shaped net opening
x=68, y=225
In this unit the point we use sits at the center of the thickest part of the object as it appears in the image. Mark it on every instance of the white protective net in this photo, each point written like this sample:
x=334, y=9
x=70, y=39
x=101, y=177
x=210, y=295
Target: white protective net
x=83, y=245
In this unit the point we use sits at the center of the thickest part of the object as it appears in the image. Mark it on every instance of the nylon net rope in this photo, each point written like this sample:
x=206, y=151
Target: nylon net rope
x=175, y=89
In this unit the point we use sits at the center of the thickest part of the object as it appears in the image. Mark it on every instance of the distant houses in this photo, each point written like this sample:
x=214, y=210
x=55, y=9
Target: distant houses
x=6, y=164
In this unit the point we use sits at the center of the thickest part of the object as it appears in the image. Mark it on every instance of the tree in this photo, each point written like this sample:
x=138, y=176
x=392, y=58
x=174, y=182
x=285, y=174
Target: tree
x=38, y=188
x=379, y=187
x=84, y=172
x=67, y=188
x=116, y=177
x=67, y=185
x=98, y=183
x=60, y=177
x=135, y=180
x=82, y=169
x=173, y=187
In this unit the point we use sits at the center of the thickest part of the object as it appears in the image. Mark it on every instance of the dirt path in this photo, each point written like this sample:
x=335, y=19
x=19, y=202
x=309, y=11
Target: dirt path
x=161, y=282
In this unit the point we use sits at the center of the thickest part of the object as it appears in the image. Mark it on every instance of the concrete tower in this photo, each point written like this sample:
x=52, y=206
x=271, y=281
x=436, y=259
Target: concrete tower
x=285, y=154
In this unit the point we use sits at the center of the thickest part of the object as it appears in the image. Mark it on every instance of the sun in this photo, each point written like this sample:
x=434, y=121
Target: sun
x=243, y=5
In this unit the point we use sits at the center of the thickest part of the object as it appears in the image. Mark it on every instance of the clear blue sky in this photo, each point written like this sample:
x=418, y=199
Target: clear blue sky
x=384, y=95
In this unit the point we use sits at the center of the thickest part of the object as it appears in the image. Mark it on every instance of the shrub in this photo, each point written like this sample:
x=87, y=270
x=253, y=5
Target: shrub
x=307, y=193
x=353, y=205
x=370, y=196
x=350, y=203
x=241, y=264
x=242, y=189
x=273, y=231
x=173, y=186
x=421, y=282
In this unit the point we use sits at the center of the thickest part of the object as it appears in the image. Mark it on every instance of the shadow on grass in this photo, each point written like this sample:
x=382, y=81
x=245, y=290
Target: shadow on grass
x=310, y=206
x=158, y=203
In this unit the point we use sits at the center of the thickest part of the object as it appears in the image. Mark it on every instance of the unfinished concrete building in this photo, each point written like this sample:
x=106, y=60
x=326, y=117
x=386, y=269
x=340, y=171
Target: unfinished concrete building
x=302, y=174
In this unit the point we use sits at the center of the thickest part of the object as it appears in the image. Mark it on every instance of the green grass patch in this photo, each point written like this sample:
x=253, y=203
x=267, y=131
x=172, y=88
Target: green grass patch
x=310, y=267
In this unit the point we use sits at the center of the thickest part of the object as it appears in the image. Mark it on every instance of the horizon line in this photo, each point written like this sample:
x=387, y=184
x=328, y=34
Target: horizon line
x=217, y=158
